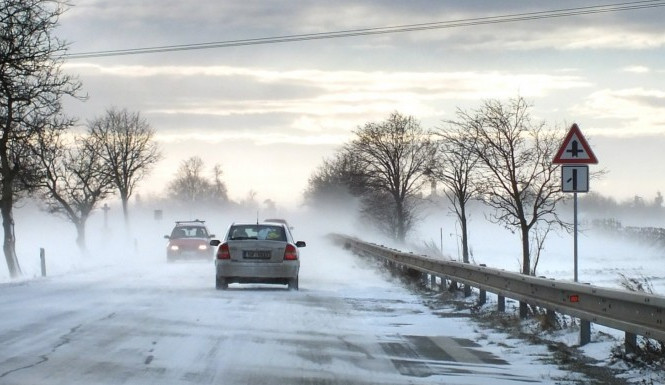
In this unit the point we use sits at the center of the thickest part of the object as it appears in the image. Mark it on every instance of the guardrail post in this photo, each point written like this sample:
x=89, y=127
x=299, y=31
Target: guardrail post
x=42, y=257
x=467, y=290
x=524, y=310
x=630, y=343
x=585, y=332
x=432, y=281
x=482, y=299
x=501, y=300
x=443, y=283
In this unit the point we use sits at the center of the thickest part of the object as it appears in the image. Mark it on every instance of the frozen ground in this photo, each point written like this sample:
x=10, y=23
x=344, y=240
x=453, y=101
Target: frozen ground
x=332, y=273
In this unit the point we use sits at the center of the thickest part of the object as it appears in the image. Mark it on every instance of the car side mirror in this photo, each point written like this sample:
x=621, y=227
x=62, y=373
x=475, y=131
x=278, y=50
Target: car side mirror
x=215, y=242
x=167, y=237
x=211, y=236
x=301, y=244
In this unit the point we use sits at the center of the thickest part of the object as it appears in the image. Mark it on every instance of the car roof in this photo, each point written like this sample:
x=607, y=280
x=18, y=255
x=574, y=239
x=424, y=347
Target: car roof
x=190, y=223
x=257, y=223
x=276, y=220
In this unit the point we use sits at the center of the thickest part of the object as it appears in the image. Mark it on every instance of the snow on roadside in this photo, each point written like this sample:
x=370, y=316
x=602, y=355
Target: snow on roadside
x=601, y=260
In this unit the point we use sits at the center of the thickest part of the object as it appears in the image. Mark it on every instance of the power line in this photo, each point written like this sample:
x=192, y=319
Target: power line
x=529, y=16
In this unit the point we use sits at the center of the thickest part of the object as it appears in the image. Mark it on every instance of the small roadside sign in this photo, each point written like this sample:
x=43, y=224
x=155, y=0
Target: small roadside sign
x=575, y=178
x=575, y=149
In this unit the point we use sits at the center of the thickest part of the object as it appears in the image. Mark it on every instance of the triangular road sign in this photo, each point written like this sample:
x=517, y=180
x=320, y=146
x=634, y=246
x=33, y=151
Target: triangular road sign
x=575, y=149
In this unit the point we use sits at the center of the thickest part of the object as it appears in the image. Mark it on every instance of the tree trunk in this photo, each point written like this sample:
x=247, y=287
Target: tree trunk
x=7, y=205
x=465, y=237
x=526, y=265
x=9, y=245
x=80, y=235
x=526, y=257
x=401, y=226
x=465, y=246
x=125, y=211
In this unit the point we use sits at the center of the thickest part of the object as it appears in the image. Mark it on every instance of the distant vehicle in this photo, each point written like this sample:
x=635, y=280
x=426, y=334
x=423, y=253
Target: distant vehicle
x=189, y=240
x=257, y=253
x=276, y=220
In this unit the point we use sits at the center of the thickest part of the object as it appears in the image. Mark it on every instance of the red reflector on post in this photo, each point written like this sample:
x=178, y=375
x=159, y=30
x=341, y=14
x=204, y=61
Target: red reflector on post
x=574, y=298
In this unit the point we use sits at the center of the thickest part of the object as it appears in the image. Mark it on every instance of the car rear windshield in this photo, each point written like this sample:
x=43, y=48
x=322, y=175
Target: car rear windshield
x=189, y=232
x=260, y=232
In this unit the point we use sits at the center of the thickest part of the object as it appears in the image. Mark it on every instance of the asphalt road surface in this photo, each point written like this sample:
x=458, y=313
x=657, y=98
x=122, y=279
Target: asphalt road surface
x=159, y=323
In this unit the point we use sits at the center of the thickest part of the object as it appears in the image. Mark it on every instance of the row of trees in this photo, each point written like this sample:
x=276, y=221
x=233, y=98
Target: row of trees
x=73, y=176
x=495, y=153
x=38, y=153
x=191, y=185
x=635, y=209
x=32, y=87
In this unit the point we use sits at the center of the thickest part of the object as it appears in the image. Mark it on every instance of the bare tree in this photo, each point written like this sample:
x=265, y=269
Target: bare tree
x=32, y=87
x=73, y=179
x=520, y=181
x=540, y=232
x=219, y=188
x=394, y=156
x=191, y=186
x=336, y=181
x=455, y=165
x=127, y=147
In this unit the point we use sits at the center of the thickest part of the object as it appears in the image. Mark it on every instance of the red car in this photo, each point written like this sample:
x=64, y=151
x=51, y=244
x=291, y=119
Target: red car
x=189, y=240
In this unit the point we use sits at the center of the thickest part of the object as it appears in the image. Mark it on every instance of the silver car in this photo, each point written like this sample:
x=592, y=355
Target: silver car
x=257, y=253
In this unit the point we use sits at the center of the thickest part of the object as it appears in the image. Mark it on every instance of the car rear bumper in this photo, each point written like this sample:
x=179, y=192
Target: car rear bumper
x=230, y=269
x=171, y=255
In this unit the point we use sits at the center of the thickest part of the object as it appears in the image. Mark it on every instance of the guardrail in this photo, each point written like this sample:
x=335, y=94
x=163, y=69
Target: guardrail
x=634, y=313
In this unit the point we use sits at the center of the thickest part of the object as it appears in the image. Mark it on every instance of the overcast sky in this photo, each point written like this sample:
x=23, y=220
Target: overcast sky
x=269, y=114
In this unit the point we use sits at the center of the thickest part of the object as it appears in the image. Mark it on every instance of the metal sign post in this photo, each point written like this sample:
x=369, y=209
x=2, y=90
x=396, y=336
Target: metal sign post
x=575, y=233
x=575, y=155
x=575, y=178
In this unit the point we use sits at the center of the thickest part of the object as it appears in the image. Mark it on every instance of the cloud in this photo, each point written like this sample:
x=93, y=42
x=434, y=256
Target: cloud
x=298, y=105
x=602, y=69
x=131, y=24
x=637, y=69
x=632, y=111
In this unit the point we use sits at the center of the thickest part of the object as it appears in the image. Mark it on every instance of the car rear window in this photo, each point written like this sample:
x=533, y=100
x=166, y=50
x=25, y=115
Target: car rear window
x=260, y=232
x=189, y=232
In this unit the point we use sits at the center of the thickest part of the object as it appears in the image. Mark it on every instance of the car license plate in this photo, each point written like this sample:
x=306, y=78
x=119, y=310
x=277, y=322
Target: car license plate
x=256, y=254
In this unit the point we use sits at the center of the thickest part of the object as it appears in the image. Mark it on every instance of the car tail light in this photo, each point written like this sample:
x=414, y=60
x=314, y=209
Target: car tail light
x=223, y=251
x=290, y=252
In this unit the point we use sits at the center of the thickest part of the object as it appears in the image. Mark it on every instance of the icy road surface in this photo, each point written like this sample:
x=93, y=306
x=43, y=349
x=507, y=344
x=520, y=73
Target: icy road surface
x=150, y=322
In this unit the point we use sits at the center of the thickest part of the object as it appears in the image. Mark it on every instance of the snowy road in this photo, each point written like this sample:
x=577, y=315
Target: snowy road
x=150, y=322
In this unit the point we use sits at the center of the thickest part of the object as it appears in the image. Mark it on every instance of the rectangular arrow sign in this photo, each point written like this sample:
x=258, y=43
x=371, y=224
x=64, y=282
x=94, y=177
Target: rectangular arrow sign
x=575, y=179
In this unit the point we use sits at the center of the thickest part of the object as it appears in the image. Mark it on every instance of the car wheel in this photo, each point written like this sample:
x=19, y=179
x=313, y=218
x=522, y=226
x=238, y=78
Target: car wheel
x=293, y=283
x=221, y=284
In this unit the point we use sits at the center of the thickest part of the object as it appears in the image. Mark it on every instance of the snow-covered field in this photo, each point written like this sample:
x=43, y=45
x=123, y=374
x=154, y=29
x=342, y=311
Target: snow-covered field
x=327, y=268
